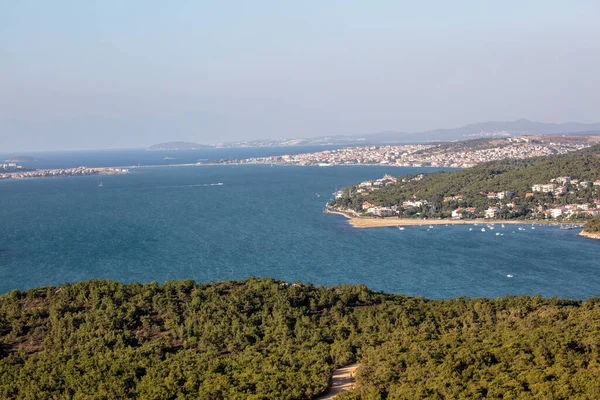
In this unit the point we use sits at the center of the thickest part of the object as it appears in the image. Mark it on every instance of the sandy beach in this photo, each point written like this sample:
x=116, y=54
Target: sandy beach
x=590, y=235
x=381, y=222
x=363, y=222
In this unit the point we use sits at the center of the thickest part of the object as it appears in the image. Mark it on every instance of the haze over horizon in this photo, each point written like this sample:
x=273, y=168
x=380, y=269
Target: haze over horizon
x=77, y=75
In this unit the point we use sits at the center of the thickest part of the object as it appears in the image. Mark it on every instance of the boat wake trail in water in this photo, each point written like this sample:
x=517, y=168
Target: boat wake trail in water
x=184, y=186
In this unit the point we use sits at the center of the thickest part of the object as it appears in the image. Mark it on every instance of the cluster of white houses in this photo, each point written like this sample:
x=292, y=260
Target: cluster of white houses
x=382, y=211
x=46, y=173
x=570, y=210
x=10, y=165
x=557, y=187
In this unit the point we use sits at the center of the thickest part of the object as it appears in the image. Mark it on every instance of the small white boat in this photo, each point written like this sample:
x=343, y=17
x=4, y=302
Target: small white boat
x=401, y=228
x=503, y=225
x=497, y=233
x=509, y=276
x=482, y=229
x=430, y=226
x=533, y=227
x=100, y=184
x=470, y=229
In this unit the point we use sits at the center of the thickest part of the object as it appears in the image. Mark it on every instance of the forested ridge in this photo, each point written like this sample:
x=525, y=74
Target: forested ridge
x=593, y=225
x=266, y=339
x=472, y=184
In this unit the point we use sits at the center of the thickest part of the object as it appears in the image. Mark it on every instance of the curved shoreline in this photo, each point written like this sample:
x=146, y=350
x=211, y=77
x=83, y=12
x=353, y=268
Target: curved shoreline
x=590, y=235
x=366, y=222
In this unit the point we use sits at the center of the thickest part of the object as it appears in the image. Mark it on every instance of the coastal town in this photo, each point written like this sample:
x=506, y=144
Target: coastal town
x=553, y=201
x=14, y=171
x=463, y=154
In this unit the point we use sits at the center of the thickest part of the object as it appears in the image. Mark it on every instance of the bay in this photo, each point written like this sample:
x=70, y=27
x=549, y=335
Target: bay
x=142, y=157
x=163, y=223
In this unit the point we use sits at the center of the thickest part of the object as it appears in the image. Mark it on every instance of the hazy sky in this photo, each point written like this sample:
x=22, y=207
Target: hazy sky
x=114, y=73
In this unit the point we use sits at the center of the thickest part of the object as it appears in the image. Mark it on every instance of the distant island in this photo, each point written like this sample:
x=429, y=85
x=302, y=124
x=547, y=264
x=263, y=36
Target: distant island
x=21, y=159
x=560, y=188
x=268, y=339
x=481, y=130
x=23, y=173
x=179, y=146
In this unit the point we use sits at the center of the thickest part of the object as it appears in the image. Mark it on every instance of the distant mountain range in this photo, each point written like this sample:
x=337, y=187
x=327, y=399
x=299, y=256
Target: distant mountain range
x=488, y=129
x=473, y=131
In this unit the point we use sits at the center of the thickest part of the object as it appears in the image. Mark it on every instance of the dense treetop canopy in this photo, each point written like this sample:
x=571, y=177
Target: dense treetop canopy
x=593, y=225
x=266, y=339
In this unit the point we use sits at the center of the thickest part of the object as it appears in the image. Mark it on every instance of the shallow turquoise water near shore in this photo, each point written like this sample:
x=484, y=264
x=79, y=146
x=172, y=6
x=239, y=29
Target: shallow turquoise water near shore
x=170, y=223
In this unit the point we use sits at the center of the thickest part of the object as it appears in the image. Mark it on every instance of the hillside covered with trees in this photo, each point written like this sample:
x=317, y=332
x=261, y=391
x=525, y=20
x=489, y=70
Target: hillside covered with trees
x=504, y=185
x=593, y=225
x=266, y=339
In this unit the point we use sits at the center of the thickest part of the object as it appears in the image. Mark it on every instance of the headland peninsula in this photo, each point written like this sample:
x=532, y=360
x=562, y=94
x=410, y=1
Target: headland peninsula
x=591, y=229
x=561, y=188
x=17, y=172
x=589, y=235
x=462, y=154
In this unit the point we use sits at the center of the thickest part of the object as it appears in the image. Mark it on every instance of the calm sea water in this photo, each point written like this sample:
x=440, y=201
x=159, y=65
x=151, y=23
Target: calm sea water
x=121, y=158
x=166, y=223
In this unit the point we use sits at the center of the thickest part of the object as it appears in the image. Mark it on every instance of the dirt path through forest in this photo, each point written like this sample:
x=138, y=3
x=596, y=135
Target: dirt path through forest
x=342, y=381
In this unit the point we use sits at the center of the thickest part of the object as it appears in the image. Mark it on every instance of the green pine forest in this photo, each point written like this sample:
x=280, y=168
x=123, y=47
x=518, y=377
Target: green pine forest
x=266, y=339
x=593, y=225
x=515, y=175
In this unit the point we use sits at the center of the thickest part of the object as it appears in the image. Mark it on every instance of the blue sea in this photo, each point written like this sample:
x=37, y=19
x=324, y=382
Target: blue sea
x=171, y=222
x=141, y=157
